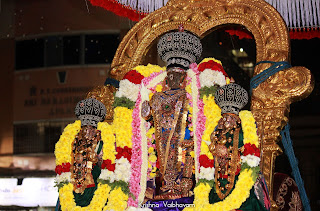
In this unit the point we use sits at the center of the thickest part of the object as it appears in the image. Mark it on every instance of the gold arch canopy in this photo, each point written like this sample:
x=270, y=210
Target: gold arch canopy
x=270, y=100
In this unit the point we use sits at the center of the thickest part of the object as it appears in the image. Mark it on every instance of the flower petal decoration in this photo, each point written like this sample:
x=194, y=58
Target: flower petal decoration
x=128, y=89
x=133, y=76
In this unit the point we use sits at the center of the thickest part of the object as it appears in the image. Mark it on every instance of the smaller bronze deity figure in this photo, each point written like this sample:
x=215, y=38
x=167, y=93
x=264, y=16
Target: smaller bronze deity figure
x=86, y=148
x=224, y=148
x=227, y=147
x=227, y=137
x=169, y=111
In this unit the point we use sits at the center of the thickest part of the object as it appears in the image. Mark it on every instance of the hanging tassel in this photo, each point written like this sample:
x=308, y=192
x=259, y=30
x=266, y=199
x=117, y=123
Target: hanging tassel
x=298, y=14
x=301, y=16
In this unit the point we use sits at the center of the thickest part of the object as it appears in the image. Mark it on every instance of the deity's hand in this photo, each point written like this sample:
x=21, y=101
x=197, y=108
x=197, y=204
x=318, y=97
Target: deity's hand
x=212, y=149
x=89, y=164
x=146, y=110
x=212, y=146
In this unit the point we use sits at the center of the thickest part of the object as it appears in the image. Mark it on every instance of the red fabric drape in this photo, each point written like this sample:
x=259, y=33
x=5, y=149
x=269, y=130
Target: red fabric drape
x=119, y=9
x=305, y=34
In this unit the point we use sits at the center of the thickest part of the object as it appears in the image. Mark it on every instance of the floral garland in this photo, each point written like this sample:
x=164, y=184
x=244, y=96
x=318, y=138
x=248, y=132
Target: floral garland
x=117, y=200
x=196, y=111
x=64, y=145
x=131, y=89
x=130, y=85
x=116, y=167
x=108, y=163
x=247, y=177
x=146, y=71
x=212, y=113
x=152, y=158
x=139, y=179
x=97, y=203
x=233, y=201
x=137, y=162
x=211, y=74
x=63, y=158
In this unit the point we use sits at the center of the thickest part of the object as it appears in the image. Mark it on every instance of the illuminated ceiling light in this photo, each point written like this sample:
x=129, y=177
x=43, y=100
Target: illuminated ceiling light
x=241, y=49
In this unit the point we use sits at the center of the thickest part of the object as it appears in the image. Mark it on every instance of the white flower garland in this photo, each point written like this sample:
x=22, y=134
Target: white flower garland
x=64, y=177
x=251, y=160
x=194, y=95
x=121, y=173
x=206, y=173
x=107, y=175
x=128, y=89
x=122, y=170
x=144, y=92
x=211, y=77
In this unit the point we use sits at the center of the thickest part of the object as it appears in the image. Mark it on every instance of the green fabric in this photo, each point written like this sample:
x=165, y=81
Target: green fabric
x=213, y=196
x=85, y=198
x=100, y=147
x=240, y=139
x=252, y=203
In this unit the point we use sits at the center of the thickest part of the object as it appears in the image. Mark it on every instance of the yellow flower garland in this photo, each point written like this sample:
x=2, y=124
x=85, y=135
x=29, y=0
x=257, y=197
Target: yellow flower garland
x=233, y=201
x=97, y=203
x=204, y=150
x=64, y=145
x=146, y=71
x=117, y=200
x=213, y=113
x=249, y=128
x=63, y=155
x=123, y=131
x=122, y=126
x=107, y=136
x=245, y=180
x=208, y=59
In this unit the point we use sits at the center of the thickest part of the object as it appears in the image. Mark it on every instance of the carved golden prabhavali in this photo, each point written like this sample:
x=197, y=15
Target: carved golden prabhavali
x=105, y=95
x=270, y=100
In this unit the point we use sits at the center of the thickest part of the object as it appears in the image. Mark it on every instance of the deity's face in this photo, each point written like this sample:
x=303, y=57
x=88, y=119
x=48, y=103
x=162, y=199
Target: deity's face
x=89, y=132
x=228, y=121
x=175, y=79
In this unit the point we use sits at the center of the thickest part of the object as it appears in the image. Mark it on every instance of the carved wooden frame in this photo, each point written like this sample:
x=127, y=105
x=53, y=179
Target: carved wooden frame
x=270, y=100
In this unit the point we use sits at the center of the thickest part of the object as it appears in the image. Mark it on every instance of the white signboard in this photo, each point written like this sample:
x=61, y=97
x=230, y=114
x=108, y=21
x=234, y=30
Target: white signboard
x=32, y=192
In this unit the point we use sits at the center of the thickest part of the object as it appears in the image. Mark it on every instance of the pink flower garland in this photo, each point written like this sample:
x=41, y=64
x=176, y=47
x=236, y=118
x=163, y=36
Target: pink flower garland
x=136, y=160
x=136, y=156
x=201, y=119
x=147, y=80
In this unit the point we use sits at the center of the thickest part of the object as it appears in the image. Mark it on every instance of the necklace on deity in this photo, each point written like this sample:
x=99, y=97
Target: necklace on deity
x=84, y=157
x=226, y=141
